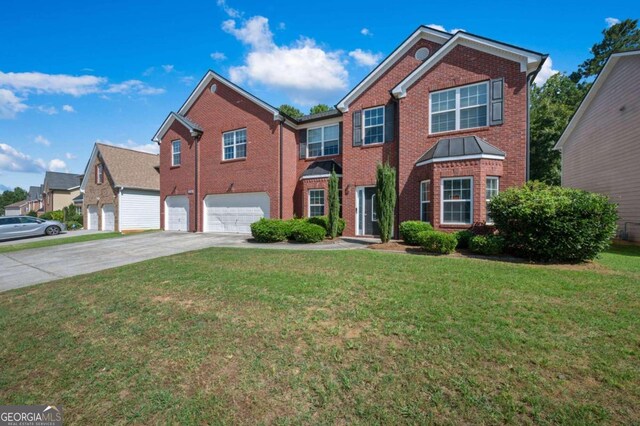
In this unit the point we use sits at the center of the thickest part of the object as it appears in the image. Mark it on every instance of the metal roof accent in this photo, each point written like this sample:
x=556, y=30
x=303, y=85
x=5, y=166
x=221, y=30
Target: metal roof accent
x=321, y=169
x=454, y=149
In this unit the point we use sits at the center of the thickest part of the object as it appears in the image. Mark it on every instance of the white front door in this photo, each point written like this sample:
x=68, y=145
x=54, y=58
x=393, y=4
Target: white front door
x=176, y=212
x=92, y=218
x=108, y=217
x=234, y=213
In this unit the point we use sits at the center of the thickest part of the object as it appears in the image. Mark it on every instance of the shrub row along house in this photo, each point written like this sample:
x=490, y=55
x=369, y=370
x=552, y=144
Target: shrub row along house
x=449, y=112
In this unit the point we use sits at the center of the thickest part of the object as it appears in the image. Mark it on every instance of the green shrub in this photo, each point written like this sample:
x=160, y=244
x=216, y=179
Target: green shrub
x=464, y=237
x=305, y=232
x=324, y=222
x=552, y=223
x=53, y=215
x=410, y=229
x=437, y=242
x=334, y=206
x=289, y=225
x=32, y=213
x=490, y=245
x=269, y=230
x=73, y=225
x=385, y=200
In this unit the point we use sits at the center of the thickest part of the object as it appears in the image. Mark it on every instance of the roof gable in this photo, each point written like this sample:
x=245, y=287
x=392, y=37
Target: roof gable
x=194, y=128
x=61, y=181
x=422, y=32
x=591, y=95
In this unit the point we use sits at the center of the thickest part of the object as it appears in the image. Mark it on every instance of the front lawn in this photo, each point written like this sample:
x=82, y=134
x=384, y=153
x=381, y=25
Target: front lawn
x=359, y=336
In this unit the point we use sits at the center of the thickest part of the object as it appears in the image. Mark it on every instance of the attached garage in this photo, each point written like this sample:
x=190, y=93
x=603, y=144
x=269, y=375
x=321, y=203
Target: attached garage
x=139, y=209
x=176, y=213
x=234, y=213
x=108, y=217
x=92, y=218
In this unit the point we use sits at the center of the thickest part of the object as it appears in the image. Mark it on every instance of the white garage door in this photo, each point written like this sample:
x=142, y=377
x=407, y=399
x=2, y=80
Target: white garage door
x=92, y=217
x=108, y=217
x=234, y=212
x=139, y=210
x=176, y=213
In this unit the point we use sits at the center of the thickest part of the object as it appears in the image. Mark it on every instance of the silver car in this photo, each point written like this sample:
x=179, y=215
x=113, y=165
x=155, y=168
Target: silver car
x=27, y=226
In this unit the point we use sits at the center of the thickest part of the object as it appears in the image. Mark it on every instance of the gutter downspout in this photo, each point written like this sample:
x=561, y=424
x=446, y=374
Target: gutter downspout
x=280, y=163
x=396, y=131
x=196, y=140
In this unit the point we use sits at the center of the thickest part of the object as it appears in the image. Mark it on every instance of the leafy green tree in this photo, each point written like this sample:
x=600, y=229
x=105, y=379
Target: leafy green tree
x=386, y=199
x=617, y=38
x=334, y=204
x=291, y=111
x=319, y=108
x=552, y=106
x=10, y=197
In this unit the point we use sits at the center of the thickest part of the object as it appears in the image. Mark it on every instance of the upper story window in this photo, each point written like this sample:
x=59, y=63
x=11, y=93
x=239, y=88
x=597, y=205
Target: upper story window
x=460, y=108
x=323, y=141
x=373, y=125
x=99, y=174
x=176, y=156
x=492, y=188
x=234, y=144
x=457, y=200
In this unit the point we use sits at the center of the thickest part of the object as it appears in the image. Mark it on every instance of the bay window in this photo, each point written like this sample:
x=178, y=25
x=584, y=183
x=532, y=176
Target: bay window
x=492, y=188
x=457, y=200
x=316, y=202
x=425, y=203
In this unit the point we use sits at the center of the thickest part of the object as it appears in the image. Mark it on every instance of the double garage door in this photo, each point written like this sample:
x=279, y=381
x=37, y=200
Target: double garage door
x=232, y=213
x=108, y=217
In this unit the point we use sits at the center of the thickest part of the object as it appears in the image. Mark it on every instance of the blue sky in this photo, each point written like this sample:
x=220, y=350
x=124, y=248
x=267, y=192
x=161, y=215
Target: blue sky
x=74, y=72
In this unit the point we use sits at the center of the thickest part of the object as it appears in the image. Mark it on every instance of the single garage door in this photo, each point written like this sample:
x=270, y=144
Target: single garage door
x=176, y=213
x=92, y=218
x=108, y=217
x=234, y=212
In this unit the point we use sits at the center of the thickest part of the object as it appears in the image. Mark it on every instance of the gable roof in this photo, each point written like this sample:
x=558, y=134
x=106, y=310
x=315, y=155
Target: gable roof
x=17, y=204
x=62, y=181
x=126, y=167
x=190, y=125
x=422, y=32
x=319, y=169
x=530, y=61
x=454, y=149
x=35, y=193
x=593, y=92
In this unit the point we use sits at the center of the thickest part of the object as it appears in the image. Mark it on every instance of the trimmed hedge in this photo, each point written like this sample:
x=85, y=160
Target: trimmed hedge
x=552, y=223
x=490, y=245
x=324, y=222
x=437, y=242
x=53, y=215
x=305, y=232
x=269, y=230
x=464, y=237
x=410, y=229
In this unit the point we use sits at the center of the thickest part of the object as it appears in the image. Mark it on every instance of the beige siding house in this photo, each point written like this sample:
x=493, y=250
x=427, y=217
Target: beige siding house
x=59, y=190
x=601, y=145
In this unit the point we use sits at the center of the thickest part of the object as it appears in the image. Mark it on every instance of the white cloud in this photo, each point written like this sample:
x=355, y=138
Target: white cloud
x=68, y=108
x=233, y=13
x=611, y=21
x=168, y=68
x=441, y=28
x=187, y=80
x=455, y=30
x=366, y=32
x=10, y=104
x=41, y=140
x=365, y=58
x=70, y=156
x=303, y=70
x=545, y=72
x=133, y=86
x=57, y=165
x=151, y=148
x=282, y=26
x=49, y=110
x=52, y=83
x=12, y=160
x=218, y=56
x=148, y=71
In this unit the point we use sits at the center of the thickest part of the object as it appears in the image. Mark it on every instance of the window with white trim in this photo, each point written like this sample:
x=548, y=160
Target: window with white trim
x=492, y=189
x=457, y=200
x=460, y=108
x=176, y=157
x=316, y=202
x=99, y=174
x=373, y=125
x=374, y=209
x=425, y=201
x=234, y=144
x=322, y=141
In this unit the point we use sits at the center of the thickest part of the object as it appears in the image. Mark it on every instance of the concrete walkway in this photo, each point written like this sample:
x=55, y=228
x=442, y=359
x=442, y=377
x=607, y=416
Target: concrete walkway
x=33, y=266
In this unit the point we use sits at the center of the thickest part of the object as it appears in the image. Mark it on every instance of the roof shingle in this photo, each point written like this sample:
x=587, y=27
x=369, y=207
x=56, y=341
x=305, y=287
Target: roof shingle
x=131, y=169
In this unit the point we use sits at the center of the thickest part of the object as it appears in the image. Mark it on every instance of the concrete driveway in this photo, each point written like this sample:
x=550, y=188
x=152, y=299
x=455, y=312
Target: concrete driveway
x=33, y=266
x=67, y=234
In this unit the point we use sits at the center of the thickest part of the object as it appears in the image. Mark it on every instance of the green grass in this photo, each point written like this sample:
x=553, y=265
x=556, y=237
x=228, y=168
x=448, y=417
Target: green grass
x=268, y=336
x=53, y=241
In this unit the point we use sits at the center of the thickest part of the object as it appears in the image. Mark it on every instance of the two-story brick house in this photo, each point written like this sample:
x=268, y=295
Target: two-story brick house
x=448, y=111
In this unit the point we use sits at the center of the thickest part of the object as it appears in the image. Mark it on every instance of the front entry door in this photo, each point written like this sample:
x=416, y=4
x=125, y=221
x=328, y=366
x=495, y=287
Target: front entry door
x=367, y=217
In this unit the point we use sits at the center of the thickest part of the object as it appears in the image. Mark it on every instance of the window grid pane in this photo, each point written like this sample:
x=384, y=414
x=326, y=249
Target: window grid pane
x=323, y=141
x=374, y=125
x=460, y=108
x=456, y=200
x=316, y=202
x=235, y=144
x=425, y=204
x=491, y=191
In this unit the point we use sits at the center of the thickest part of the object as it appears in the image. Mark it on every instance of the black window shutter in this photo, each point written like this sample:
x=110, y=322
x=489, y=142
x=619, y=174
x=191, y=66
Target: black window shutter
x=389, y=121
x=302, y=136
x=340, y=138
x=496, y=112
x=357, y=128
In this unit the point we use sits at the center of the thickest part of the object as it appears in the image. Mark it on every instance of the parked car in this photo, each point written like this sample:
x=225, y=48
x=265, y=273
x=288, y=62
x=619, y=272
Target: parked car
x=27, y=226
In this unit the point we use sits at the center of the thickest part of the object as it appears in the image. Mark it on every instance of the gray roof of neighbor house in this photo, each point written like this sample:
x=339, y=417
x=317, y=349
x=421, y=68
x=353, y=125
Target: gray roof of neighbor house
x=131, y=169
x=319, y=115
x=17, y=204
x=35, y=193
x=64, y=181
x=460, y=147
x=322, y=168
x=79, y=198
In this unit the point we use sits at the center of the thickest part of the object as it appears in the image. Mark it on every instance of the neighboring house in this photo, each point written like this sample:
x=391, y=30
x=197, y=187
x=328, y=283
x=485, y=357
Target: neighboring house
x=34, y=199
x=448, y=111
x=121, y=190
x=18, y=208
x=600, y=147
x=59, y=190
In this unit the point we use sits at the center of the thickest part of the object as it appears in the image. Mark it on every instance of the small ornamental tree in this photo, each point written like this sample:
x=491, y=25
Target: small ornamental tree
x=386, y=199
x=334, y=205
